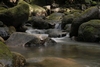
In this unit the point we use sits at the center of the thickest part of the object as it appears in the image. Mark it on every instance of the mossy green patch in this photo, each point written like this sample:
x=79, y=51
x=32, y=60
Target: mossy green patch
x=17, y=9
x=15, y=15
x=92, y=23
x=89, y=30
x=4, y=52
x=55, y=16
x=88, y=10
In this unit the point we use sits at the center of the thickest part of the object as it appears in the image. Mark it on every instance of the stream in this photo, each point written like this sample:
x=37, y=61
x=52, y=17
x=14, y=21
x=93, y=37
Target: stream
x=86, y=54
x=58, y=50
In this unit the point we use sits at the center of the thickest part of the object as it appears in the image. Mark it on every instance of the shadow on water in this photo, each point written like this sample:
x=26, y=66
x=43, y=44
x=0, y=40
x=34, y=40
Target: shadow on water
x=87, y=54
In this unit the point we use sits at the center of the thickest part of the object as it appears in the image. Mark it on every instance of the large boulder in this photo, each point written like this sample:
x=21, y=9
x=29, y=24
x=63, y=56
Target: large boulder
x=91, y=13
x=15, y=16
x=89, y=31
x=24, y=39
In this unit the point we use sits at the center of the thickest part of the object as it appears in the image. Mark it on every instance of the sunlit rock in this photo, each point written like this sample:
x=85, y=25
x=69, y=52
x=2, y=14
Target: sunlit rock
x=53, y=62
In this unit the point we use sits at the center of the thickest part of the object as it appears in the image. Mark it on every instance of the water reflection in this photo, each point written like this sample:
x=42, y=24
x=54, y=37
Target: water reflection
x=86, y=54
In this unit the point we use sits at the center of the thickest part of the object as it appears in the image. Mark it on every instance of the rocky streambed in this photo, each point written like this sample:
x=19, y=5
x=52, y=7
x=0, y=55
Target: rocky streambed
x=61, y=54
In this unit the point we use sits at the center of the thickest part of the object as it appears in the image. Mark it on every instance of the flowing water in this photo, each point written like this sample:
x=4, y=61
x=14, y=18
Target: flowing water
x=58, y=26
x=86, y=54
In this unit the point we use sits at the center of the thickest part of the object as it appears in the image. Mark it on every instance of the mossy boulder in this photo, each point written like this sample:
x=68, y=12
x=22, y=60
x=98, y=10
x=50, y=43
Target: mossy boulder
x=5, y=55
x=89, y=31
x=20, y=13
x=16, y=15
x=10, y=59
x=91, y=13
x=54, y=18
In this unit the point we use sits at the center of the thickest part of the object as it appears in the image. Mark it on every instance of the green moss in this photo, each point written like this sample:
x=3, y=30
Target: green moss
x=2, y=8
x=19, y=9
x=88, y=10
x=94, y=3
x=93, y=23
x=90, y=25
x=4, y=52
x=55, y=16
x=89, y=29
x=15, y=15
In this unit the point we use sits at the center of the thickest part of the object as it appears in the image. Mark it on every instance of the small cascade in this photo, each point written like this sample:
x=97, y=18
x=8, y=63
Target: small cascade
x=58, y=26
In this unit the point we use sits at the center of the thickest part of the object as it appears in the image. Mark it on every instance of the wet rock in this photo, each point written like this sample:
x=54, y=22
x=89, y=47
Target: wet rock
x=24, y=39
x=53, y=62
x=9, y=59
x=18, y=60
